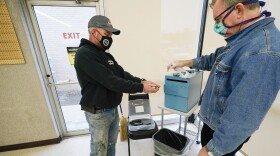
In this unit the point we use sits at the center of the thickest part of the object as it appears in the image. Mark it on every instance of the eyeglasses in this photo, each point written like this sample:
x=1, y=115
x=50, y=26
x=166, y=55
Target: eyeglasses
x=211, y=5
x=216, y=18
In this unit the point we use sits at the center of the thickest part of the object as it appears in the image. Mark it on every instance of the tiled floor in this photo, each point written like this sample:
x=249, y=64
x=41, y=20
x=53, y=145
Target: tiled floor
x=79, y=146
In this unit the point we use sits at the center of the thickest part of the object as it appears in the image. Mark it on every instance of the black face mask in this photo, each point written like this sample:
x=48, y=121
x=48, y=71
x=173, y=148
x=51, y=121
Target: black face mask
x=105, y=41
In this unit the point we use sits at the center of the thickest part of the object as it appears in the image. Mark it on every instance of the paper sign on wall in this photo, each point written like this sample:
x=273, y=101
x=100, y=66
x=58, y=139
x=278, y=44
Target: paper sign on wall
x=71, y=54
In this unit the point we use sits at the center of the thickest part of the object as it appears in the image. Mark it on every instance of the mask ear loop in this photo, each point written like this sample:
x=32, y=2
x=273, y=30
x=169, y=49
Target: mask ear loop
x=96, y=37
x=223, y=20
x=266, y=13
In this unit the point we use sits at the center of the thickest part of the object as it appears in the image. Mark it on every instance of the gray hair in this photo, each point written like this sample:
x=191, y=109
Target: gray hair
x=252, y=6
x=90, y=29
x=229, y=3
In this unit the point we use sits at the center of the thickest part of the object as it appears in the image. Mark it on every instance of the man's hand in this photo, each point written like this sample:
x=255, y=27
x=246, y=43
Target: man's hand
x=179, y=63
x=150, y=87
x=203, y=152
x=151, y=83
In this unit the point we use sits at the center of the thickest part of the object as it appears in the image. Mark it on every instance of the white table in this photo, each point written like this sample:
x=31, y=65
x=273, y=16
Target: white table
x=185, y=114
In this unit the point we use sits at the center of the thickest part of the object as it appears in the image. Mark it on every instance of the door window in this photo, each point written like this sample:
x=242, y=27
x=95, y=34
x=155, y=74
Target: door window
x=61, y=29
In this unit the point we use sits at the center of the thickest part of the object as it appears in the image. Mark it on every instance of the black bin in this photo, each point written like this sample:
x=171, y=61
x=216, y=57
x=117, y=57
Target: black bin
x=168, y=142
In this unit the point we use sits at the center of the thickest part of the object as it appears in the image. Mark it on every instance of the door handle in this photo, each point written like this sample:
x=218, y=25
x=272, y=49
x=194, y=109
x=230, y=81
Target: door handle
x=64, y=82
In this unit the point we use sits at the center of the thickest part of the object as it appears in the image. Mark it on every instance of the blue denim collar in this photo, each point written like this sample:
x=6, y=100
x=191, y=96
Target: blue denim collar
x=249, y=30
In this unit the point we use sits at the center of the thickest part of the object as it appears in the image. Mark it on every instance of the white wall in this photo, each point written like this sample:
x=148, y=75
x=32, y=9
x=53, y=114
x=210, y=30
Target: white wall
x=153, y=33
x=136, y=47
x=24, y=115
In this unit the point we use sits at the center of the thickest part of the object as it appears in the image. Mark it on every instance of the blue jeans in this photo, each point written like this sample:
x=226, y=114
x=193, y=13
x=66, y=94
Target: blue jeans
x=104, y=128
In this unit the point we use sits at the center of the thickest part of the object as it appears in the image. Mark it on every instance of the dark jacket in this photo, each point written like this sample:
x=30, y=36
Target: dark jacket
x=101, y=78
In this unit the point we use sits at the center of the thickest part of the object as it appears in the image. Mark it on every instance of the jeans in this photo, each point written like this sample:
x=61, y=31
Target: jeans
x=207, y=135
x=104, y=127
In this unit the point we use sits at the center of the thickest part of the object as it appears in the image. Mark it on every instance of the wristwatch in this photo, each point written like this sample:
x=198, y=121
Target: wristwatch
x=208, y=152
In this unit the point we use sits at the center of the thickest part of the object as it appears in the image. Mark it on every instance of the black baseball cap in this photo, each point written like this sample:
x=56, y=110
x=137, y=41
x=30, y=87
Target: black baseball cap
x=99, y=21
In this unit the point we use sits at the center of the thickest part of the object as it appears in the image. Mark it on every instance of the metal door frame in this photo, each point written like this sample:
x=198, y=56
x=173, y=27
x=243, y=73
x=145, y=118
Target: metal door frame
x=40, y=57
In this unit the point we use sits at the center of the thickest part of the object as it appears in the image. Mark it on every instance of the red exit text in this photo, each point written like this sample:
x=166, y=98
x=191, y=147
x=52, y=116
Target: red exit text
x=71, y=35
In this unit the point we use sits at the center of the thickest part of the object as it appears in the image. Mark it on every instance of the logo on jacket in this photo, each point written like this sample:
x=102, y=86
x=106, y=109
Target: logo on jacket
x=111, y=62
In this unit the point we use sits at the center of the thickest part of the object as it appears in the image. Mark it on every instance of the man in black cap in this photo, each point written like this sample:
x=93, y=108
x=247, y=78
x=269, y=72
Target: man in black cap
x=103, y=81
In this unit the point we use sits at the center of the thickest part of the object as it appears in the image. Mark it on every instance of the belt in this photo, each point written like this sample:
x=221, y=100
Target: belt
x=94, y=110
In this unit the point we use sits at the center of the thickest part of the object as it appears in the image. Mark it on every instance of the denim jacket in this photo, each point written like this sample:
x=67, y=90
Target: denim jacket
x=243, y=83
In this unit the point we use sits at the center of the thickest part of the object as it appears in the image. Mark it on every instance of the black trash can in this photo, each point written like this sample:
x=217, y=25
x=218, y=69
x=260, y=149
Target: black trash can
x=168, y=142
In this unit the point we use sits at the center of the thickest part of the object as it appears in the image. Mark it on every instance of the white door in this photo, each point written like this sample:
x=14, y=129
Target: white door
x=59, y=27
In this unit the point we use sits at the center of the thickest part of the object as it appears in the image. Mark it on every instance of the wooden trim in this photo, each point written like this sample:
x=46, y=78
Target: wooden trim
x=30, y=144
